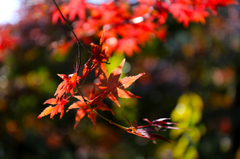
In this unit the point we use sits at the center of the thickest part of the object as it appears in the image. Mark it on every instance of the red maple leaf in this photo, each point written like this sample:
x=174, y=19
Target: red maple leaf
x=113, y=87
x=199, y=15
x=83, y=108
x=77, y=8
x=59, y=108
x=56, y=15
x=73, y=9
x=128, y=45
x=67, y=85
x=181, y=12
x=98, y=58
x=154, y=126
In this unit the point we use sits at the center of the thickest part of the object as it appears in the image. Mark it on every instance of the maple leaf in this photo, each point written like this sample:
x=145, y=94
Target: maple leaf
x=67, y=85
x=154, y=126
x=73, y=9
x=56, y=15
x=128, y=45
x=77, y=8
x=161, y=123
x=99, y=103
x=199, y=15
x=83, y=108
x=98, y=57
x=59, y=108
x=113, y=87
x=144, y=132
x=181, y=12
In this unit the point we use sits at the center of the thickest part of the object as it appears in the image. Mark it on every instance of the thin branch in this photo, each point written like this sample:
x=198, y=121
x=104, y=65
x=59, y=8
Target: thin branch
x=79, y=57
x=65, y=20
x=78, y=41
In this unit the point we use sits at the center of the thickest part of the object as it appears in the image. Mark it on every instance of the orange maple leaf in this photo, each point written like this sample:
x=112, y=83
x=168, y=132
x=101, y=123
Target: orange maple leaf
x=199, y=15
x=83, y=108
x=98, y=57
x=59, y=108
x=67, y=85
x=128, y=45
x=113, y=87
x=181, y=12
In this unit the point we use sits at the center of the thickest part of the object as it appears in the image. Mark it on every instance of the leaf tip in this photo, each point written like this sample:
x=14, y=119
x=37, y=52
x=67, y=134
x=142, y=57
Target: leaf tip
x=51, y=116
x=122, y=63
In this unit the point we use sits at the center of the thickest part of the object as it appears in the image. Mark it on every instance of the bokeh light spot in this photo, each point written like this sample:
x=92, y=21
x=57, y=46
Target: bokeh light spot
x=180, y=108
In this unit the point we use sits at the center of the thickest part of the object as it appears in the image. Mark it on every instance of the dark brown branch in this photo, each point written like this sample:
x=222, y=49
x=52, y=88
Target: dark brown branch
x=78, y=41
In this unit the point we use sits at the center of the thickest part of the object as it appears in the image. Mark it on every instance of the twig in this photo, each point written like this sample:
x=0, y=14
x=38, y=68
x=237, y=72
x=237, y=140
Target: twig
x=78, y=41
x=79, y=57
